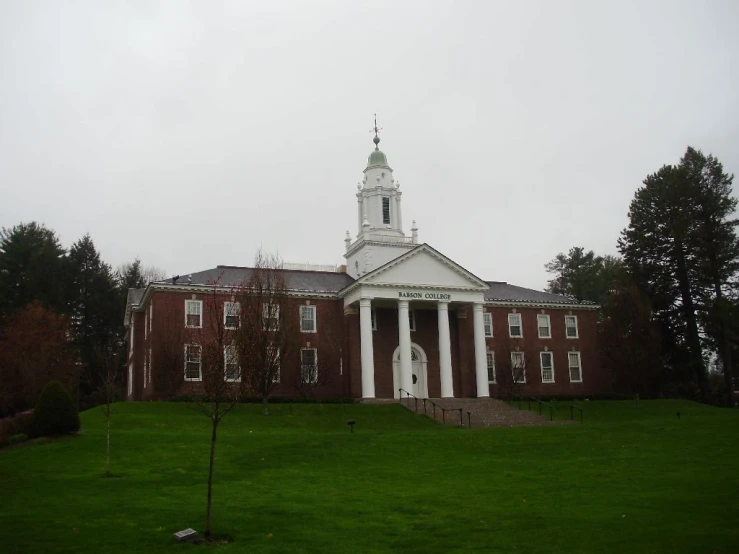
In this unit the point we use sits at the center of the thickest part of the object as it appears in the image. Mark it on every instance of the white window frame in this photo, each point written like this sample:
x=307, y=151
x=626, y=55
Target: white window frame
x=490, y=360
x=270, y=312
x=520, y=325
x=314, y=319
x=539, y=326
x=551, y=365
x=523, y=366
x=315, y=363
x=412, y=319
x=130, y=379
x=133, y=328
x=150, y=364
x=389, y=221
x=373, y=318
x=234, y=360
x=231, y=309
x=146, y=326
x=577, y=330
x=487, y=323
x=151, y=316
x=199, y=303
x=578, y=366
x=145, y=362
x=199, y=362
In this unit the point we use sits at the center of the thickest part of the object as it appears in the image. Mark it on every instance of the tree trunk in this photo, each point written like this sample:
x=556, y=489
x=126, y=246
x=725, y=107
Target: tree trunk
x=691, y=324
x=107, y=445
x=210, y=478
x=265, y=405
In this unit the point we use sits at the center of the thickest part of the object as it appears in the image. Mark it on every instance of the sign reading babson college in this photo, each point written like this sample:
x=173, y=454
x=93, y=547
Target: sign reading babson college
x=425, y=295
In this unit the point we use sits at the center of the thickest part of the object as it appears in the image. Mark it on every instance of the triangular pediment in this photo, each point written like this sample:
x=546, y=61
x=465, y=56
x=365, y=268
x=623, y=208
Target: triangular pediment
x=424, y=267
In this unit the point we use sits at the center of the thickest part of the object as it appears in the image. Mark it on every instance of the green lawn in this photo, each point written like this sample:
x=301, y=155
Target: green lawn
x=628, y=480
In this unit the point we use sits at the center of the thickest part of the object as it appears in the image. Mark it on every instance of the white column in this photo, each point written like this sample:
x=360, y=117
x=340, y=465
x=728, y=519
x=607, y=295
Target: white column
x=368, y=358
x=404, y=336
x=445, y=351
x=481, y=363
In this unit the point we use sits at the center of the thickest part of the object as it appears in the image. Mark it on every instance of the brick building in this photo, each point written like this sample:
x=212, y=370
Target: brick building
x=398, y=315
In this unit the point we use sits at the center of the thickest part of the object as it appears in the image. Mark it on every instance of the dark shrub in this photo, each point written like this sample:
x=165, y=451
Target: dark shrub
x=55, y=412
x=19, y=423
x=15, y=439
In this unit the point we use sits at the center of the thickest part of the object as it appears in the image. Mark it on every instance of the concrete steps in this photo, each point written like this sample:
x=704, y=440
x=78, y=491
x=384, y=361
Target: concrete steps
x=484, y=412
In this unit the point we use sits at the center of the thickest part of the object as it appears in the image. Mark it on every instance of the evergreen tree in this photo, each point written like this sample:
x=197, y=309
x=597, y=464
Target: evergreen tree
x=582, y=275
x=95, y=312
x=32, y=268
x=682, y=248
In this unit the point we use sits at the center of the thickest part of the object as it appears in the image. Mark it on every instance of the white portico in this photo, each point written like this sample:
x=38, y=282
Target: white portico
x=422, y=277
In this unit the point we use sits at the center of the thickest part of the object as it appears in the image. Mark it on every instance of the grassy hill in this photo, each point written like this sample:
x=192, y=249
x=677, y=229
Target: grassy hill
x=628, y=480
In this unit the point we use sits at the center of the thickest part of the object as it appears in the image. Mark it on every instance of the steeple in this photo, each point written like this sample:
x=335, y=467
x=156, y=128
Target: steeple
x=380, y=235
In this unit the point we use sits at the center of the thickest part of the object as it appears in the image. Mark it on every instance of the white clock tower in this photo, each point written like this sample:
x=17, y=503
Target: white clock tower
x=380, y=236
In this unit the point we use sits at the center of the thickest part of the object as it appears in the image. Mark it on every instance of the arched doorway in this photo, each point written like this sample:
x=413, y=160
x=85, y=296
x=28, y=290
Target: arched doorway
x=419, y=373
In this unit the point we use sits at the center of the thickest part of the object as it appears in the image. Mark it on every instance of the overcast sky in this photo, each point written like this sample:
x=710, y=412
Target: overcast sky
x=190, y=133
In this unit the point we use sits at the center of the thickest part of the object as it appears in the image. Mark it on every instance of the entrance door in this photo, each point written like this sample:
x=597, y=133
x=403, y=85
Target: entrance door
x=419, y=384
x=418, y=377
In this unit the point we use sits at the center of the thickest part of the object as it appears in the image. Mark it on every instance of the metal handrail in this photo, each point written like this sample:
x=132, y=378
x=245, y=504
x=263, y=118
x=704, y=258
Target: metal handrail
x=434, y=405
x=573, y=407
x=528, y=399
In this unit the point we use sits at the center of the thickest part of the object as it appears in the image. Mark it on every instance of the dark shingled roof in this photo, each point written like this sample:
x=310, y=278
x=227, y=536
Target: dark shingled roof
x=503, y=292
x=135, y=296
x=295, y=280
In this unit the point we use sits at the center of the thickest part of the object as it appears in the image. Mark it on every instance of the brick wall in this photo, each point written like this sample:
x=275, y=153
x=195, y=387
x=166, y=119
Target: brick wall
x=339, y=350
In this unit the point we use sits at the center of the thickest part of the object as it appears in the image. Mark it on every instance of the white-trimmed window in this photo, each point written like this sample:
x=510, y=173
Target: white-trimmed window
x=545, y=328
x=308, y=319
x=515, y=330
x=151, y=315
x=146, y=361
x=150, y=364
x=487, y=322
x=373, y=317
x=386, y=210
x=231, y=364
x=309, y=365
x=231, y=315
x=274, y=357
x=271, y=316
x=412, y=319
x=575, y=368
x=193, y=362
x=130, y=379
x=193, y=313
x=518, y=367
x=130, y=345
x=491, y=366
x=547, y=367
x=146, y=325
x=571, y=326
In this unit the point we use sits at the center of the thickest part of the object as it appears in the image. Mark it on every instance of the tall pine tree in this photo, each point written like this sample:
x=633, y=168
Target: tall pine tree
x=32, y=268
x=681, y=246
x=94, y=311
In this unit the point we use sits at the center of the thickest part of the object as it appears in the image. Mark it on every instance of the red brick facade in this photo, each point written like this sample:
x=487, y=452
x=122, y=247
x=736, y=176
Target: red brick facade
x=160, y=319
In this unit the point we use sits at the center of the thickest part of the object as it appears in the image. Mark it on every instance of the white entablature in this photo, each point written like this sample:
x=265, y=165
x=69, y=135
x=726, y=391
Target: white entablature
x=422, y=274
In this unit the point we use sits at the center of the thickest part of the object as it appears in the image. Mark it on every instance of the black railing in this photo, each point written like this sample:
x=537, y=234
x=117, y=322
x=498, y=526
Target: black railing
x=529, y=400
x=434, y=407
x=572, y=412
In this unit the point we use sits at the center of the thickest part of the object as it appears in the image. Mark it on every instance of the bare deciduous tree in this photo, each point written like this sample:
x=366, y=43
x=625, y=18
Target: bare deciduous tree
x=268, y=337
x=214, y=374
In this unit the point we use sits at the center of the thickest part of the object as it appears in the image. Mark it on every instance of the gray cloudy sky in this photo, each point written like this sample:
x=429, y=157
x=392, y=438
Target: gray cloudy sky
x=190, y=133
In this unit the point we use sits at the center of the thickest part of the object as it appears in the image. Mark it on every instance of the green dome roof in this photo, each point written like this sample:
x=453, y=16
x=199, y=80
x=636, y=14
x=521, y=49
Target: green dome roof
x=377, y=158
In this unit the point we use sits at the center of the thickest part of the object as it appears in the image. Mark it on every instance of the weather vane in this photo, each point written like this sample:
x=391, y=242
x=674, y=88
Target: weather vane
x=376, y=130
